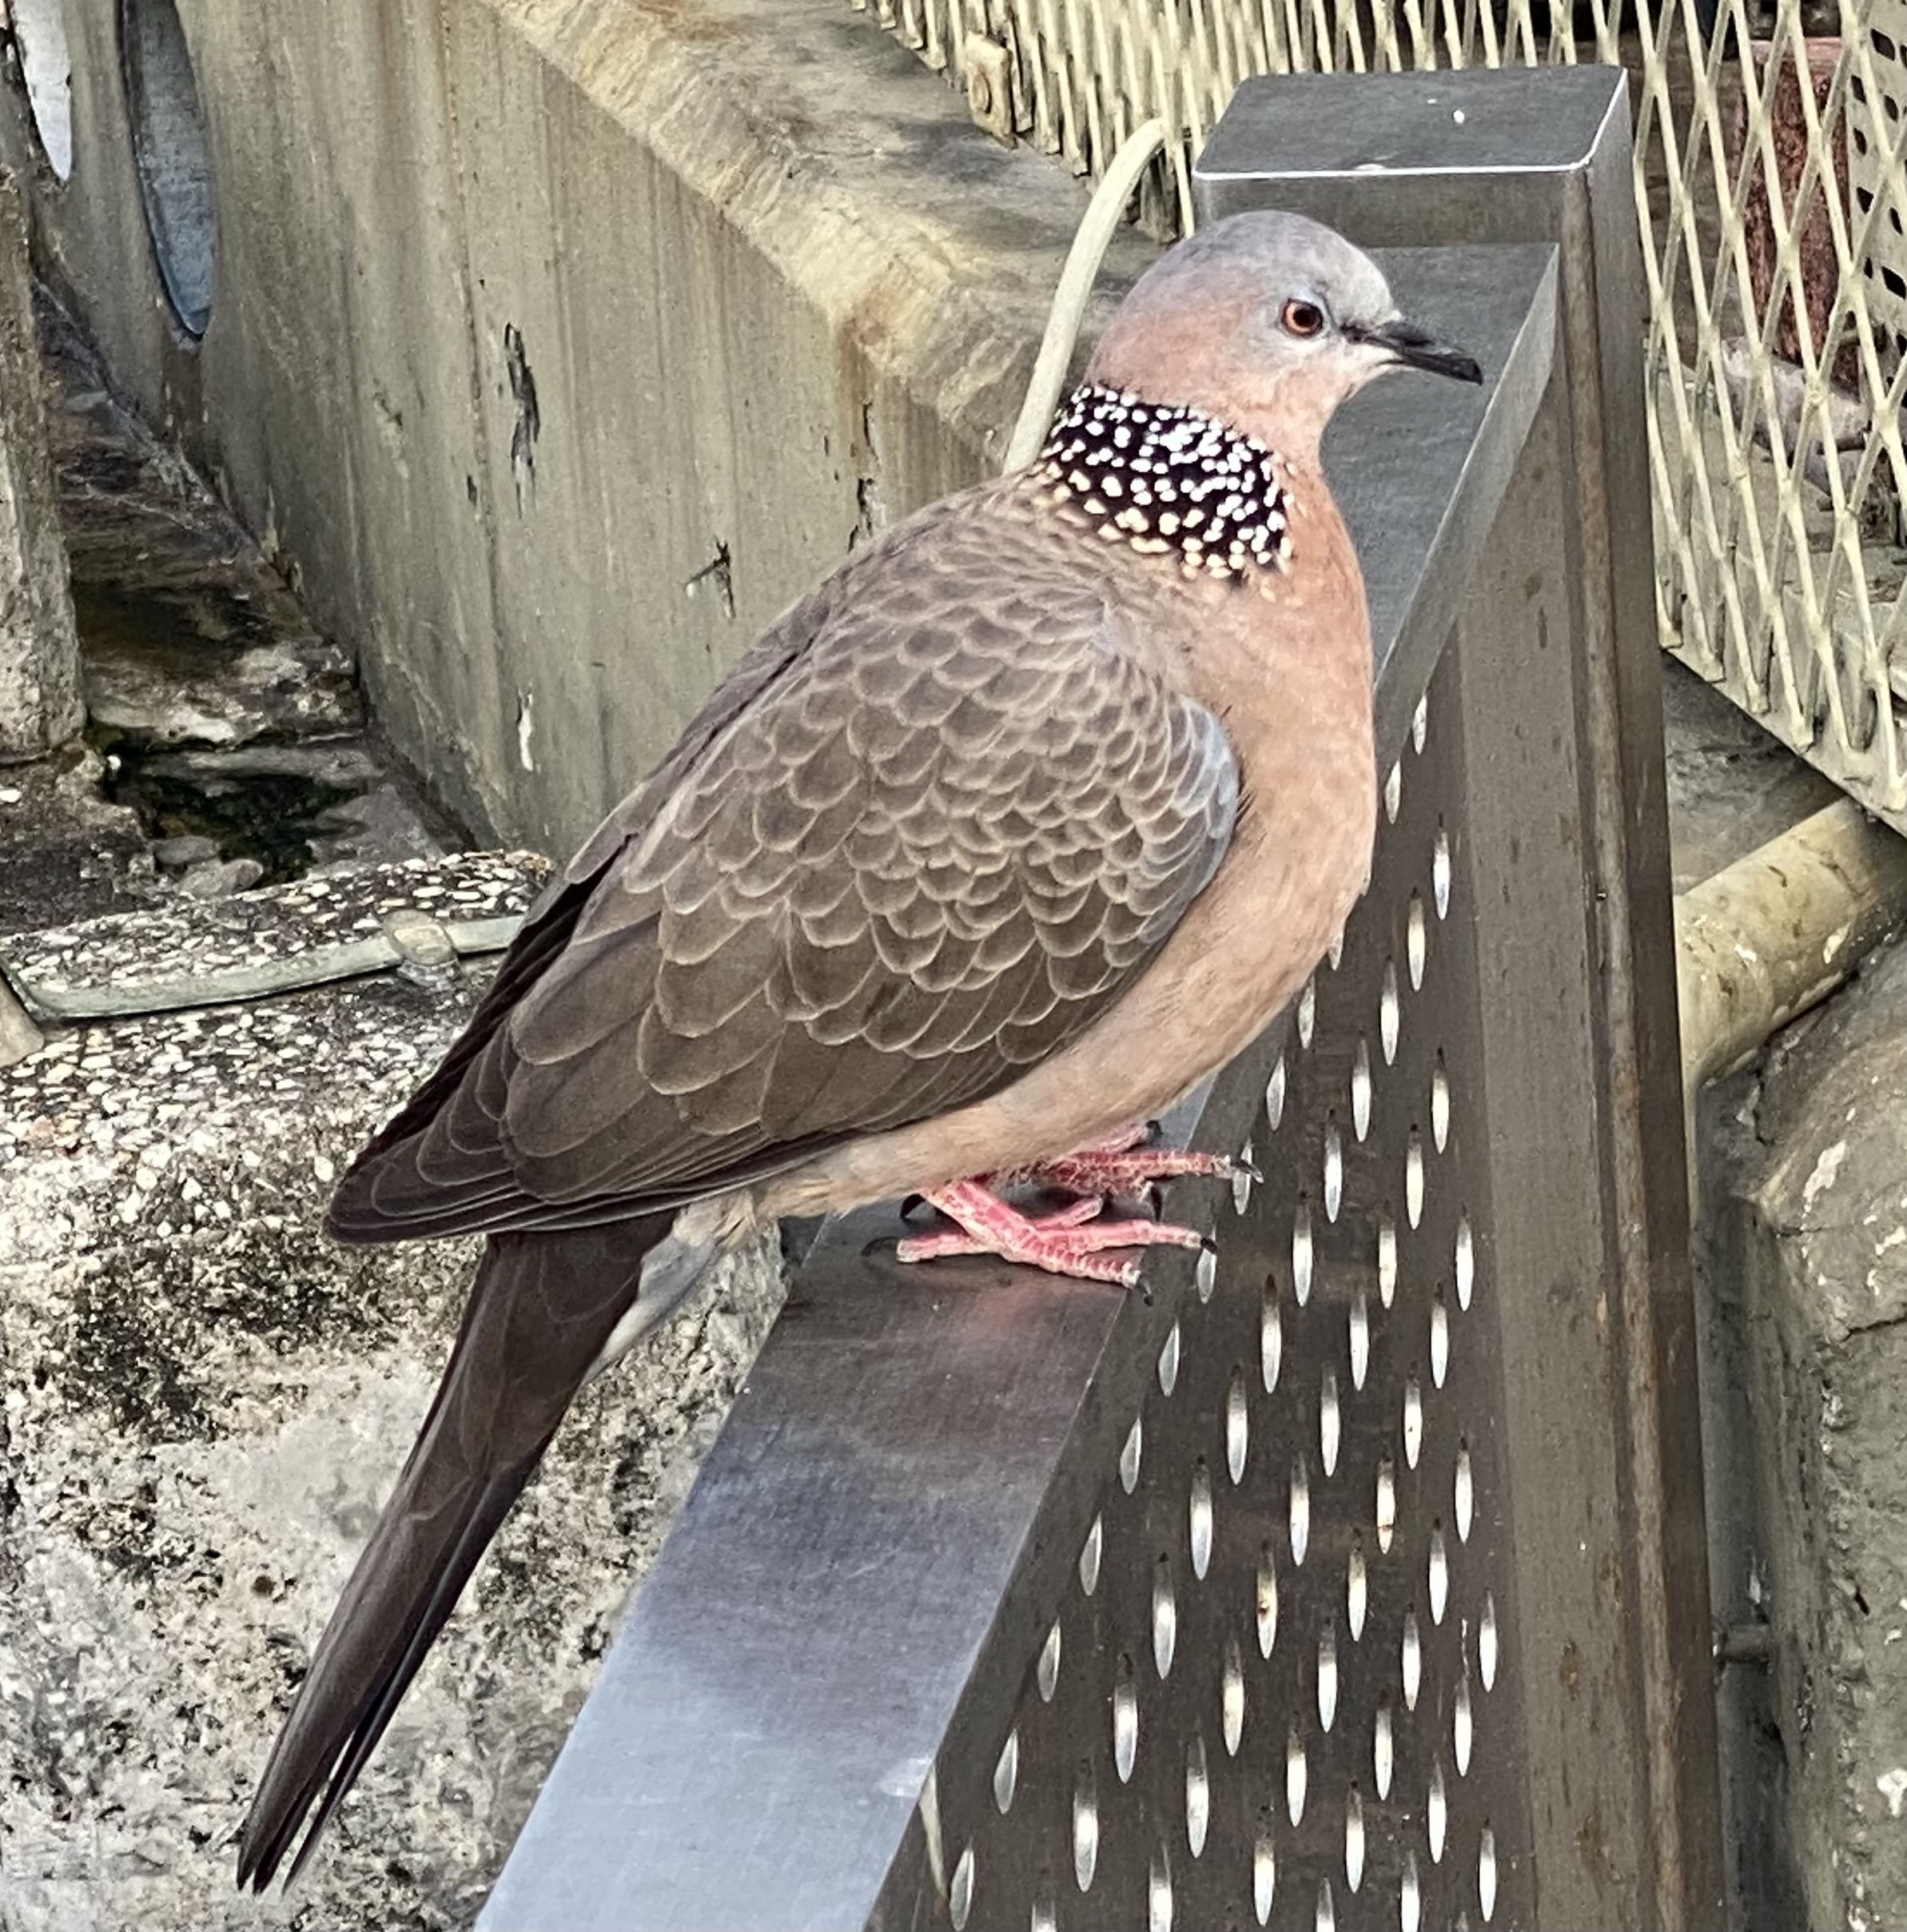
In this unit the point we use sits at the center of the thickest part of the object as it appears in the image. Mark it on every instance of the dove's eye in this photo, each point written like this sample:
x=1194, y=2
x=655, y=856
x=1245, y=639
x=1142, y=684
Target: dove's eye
x=1301, y=318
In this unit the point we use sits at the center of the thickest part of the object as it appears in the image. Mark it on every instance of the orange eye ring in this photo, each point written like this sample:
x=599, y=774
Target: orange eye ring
x=1301, y=318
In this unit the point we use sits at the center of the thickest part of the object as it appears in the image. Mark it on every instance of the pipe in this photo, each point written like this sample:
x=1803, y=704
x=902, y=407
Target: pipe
x=1103, y=214
x=1775, y=933
x=420, y=948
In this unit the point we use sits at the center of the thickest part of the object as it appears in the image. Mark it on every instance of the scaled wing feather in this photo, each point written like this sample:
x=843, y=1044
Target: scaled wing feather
x=925, y=849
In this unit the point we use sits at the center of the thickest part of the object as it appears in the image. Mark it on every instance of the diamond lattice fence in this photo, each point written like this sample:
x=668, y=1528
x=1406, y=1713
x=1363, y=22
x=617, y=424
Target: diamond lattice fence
x=1769, y=174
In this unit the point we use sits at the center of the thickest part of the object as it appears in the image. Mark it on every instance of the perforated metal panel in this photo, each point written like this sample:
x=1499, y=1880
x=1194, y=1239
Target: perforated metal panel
x=1283, y=1687
x=1877, y=102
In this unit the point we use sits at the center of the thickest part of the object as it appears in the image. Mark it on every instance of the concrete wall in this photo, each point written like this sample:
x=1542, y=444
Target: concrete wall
x=557, y=345
x=39, y=654
x=1804, y=1263
x=1800, y=1275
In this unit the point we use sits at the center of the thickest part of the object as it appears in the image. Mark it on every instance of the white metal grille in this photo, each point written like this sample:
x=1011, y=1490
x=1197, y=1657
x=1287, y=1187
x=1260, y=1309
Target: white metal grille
x=1769, y=176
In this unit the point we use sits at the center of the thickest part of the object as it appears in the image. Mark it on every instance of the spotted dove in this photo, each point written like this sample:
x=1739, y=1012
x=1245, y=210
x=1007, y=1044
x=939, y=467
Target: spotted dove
x=1027, y=818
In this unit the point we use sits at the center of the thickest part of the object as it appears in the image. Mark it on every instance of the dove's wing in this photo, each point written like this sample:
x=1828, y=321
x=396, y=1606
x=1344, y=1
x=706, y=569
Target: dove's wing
x=924, y=839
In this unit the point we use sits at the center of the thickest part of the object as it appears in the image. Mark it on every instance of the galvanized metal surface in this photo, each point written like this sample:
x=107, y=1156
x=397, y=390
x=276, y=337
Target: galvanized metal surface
x=1769, y=180
x=829, y=1654
x=1470, y=154
x=1284, y=1685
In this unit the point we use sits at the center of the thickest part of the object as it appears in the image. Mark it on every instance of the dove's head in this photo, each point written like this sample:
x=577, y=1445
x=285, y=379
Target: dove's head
x=1266, y=321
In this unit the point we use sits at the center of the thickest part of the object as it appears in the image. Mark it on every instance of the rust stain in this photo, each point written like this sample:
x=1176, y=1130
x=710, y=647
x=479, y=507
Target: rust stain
x=1569, y=1670
x=1819, y=264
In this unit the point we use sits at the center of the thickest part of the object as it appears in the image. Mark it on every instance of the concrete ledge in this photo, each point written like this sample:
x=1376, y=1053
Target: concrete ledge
x=206, y=1404
x=557, y=345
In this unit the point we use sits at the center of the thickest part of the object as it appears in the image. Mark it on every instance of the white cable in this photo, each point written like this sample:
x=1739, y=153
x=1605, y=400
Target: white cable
x=1096, y=230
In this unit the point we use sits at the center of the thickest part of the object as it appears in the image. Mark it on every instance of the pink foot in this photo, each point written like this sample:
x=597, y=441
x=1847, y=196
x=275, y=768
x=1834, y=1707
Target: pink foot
x=1123, y=1166
x=1126, y=1175
x=1070, y=1242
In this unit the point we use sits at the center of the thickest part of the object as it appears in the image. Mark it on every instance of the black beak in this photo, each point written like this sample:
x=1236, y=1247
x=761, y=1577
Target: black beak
x=1416, y=349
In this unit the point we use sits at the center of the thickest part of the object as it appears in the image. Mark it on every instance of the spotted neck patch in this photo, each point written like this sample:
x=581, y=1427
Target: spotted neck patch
x=1169, y=481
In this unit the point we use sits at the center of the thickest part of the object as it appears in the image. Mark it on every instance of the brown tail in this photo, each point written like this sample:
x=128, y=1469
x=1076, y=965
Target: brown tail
x=540, y=1310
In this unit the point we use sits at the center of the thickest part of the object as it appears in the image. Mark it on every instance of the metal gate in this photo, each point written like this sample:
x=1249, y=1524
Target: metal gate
x=1356, y=1577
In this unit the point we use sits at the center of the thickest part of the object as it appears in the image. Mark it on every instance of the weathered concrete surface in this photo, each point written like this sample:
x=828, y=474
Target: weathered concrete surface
x=72, y=847
x=39, y=651
x=187, y=632
x=205, y=1403
x=66, y=853
x=559, y=344
x=1803, y=1260
x=1732, y=787
x=231, y=744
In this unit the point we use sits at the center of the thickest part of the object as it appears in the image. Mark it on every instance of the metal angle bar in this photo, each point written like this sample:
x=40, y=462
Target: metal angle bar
x=1417, y=548
x=1404, y=159
x=906, y=1477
